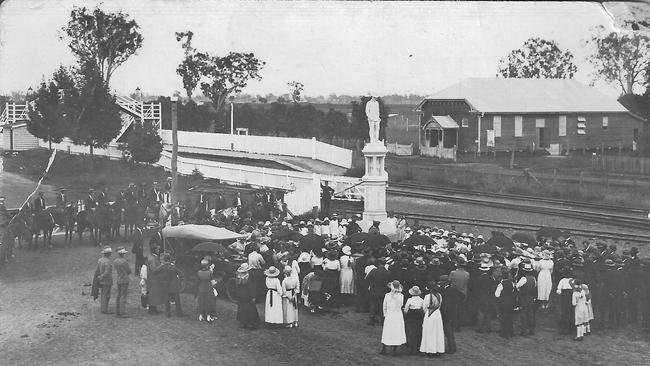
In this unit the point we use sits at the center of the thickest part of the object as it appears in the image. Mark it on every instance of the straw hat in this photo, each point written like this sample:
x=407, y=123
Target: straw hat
x=272, y=272
x=395, y=285
x=415, y=291
x=346, y=250
x=107, y=250
x=244, y=268
x=121, y=250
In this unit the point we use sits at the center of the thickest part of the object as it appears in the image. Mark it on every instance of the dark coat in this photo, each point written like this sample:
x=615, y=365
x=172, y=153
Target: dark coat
x=452, y=299
x=163, y=276
x=378, y=280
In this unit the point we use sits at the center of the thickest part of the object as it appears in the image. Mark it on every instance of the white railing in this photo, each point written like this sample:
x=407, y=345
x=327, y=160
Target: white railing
x=288, y=146
x=14, y=112
x=149, y=111
x=346, y=188
x=303, y=188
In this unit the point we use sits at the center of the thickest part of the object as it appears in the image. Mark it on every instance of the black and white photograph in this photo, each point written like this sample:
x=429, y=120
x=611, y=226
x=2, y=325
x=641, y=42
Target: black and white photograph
x=249, y=182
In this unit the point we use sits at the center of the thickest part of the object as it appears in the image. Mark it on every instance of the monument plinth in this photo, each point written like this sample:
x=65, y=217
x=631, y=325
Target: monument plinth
x=374, y=182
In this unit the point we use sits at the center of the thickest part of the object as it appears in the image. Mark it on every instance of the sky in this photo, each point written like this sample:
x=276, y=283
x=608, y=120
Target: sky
x=336, y=47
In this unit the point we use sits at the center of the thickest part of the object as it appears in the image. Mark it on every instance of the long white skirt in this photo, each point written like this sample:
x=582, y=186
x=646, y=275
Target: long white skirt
x=273, y=314
x=347, y=280
x=290, y=311
x=393, y=333
x=433, y=336
x=544, y=285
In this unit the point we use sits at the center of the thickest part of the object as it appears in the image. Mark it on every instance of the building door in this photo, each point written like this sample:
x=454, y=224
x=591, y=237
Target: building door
x=540, y=138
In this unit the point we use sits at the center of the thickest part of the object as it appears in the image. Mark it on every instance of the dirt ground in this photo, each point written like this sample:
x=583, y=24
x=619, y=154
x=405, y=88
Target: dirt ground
x=49, y=318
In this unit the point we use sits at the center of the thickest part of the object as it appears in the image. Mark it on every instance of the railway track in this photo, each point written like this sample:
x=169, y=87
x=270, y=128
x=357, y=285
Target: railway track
x=613, y=215
x=515, y=226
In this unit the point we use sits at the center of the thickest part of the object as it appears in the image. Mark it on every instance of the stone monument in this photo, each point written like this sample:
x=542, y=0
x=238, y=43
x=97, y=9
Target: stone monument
x=375, y=177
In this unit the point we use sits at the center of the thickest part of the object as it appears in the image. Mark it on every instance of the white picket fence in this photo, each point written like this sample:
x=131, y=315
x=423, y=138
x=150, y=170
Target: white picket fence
x=271, y=145
x=112, y=151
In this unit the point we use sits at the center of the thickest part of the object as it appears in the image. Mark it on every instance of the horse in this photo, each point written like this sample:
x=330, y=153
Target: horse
x=42, y=221
x=101, y=221
x=64, y=217
x=131, y=218
x=116, y=219
x=85, y=219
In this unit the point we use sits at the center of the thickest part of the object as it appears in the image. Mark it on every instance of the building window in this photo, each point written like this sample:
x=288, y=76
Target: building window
x=496, y=126
x=518, y=126
x=562, y=126
x=540, y=123
x=582, y=125
x=605, y=122
x=465, y=122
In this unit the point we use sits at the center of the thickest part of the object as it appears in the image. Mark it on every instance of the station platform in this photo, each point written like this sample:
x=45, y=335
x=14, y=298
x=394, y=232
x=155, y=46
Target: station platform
x=282, y=162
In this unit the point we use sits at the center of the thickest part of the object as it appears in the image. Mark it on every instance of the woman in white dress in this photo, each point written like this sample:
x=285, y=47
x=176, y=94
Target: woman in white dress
x=433, y=336
x=579, y=301
x=393, y=333
x=290, y=291
x=273, y=306
x=346, y=276
x=544, y=280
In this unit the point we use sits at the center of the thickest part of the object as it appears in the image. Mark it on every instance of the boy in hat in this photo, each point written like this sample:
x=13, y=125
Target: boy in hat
x=123, y=271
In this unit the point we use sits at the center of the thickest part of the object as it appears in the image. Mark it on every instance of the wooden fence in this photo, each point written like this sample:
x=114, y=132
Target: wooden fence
x=622, y=164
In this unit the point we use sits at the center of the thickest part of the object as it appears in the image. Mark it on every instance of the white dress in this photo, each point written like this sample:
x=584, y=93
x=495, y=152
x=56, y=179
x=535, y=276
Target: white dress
x=433, y=335
x=393, y=332
x=273, y=305
x=290, y=291
x=544, y=281
x=346, y=277
x=579, y=300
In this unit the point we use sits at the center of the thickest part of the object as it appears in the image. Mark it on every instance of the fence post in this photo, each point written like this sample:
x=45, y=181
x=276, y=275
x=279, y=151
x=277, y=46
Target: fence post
x=313, y=147
x=554, y=176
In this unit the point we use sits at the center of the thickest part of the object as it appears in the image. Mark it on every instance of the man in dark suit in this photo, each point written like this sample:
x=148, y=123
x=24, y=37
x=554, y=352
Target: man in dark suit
x=168, y=276
x=90, y=202
x=378, y=280
x=39, y=203
x=138, y=249
x=452, y=298
x=141, y=194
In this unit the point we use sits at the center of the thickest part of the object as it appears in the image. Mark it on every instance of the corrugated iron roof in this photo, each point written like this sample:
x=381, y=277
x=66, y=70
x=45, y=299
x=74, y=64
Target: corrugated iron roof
x=495, y=95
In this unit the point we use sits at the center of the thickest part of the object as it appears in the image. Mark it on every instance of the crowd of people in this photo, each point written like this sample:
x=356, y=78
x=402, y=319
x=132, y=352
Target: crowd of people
x=453, y=280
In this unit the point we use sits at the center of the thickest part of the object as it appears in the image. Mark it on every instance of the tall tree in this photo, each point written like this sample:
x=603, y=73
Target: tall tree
x=103, y=40
x=220, y=77
x=144, y=144
x=538, y=58
x=621, y=58
x=189, y=68
x=295, y=90
x=52, y=112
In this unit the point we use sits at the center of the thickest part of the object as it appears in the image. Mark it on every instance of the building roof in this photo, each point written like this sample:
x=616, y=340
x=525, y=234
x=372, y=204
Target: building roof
x=496, y=95
x=442, y=122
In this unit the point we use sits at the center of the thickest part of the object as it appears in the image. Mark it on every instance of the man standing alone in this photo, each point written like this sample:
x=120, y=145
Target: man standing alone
x=105, y=275
x=123, y=272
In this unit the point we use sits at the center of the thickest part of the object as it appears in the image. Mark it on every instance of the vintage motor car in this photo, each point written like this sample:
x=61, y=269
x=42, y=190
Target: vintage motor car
x=188, y=244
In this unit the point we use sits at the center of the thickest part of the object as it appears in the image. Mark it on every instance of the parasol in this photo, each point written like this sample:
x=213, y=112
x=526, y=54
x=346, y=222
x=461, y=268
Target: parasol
x=500, y=241
x=486, y=248
x=524, y=238
x=311, y=241
x=356, y=238
x=549, y=232
x=375, y=241
x=416, y=240
x=286, y=234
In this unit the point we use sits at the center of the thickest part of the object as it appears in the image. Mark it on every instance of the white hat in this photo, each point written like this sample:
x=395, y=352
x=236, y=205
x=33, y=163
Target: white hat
x=284, y=223
x=107, y=250
x=346, y=250
x=121, y=250
x=479, y=237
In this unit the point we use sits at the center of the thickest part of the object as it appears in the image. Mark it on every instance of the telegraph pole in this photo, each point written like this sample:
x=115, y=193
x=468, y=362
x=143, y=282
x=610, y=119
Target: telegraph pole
x=174, y=198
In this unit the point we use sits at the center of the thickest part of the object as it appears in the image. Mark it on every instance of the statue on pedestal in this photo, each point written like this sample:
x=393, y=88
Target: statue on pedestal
x=372, y=112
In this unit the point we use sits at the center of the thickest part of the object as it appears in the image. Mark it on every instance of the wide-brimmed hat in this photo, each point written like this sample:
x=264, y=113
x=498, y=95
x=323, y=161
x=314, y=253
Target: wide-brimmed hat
x=346, y=250
x=609, y=263
x=107, y=250
x=415, y=291
x=435, y=262
x=287, y=269
x=272, y=272
x=244, y=268
x=485, y=267
x=304, y=257
x=121, y=250
x=395, y=285
x=546, y=254
x=331, y=245
x=343, y=222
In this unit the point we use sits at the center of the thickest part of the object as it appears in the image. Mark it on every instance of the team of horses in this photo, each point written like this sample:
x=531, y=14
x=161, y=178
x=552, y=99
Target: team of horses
x=105, y=221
